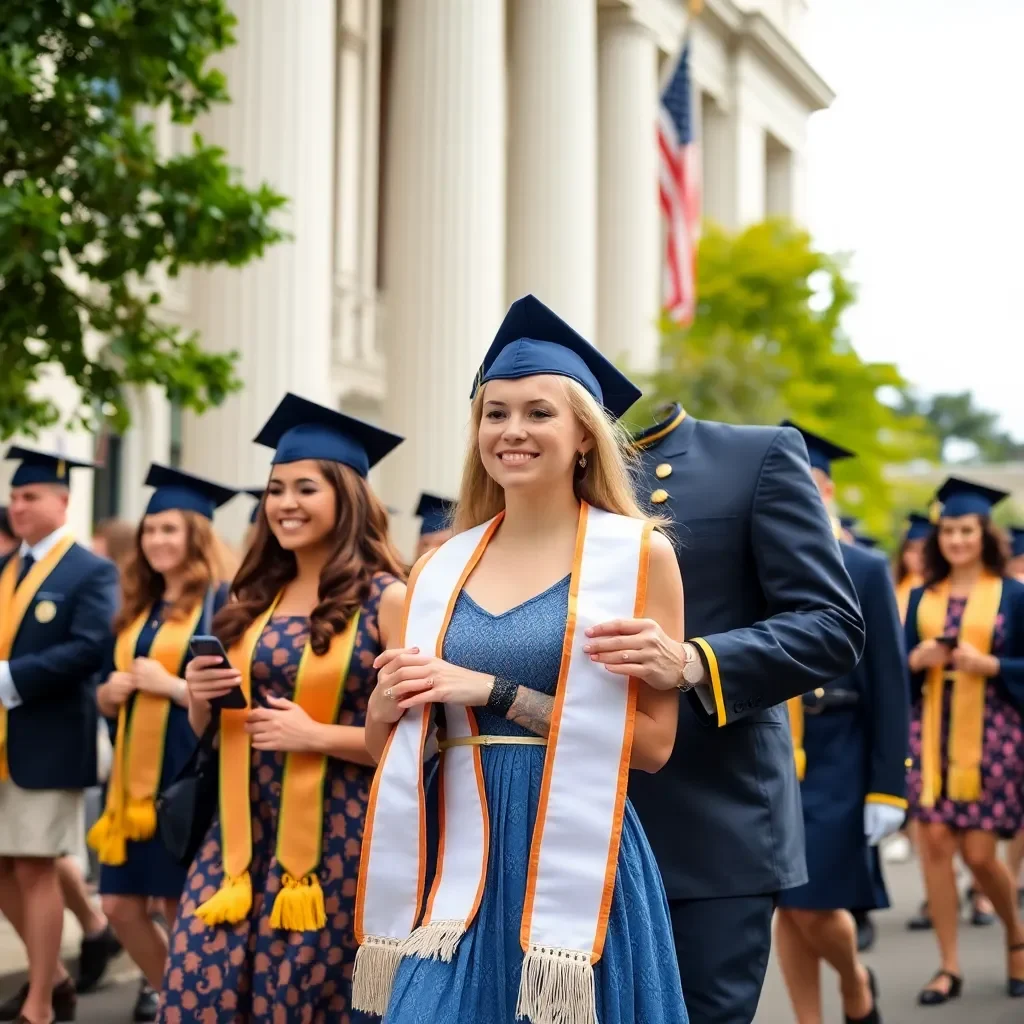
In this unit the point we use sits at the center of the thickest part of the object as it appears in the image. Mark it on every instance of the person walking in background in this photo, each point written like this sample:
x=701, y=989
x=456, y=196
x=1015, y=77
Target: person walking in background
x=172, y=584
x=8, y=542
x=57, y=600
x=435, y=515
x=965, y=638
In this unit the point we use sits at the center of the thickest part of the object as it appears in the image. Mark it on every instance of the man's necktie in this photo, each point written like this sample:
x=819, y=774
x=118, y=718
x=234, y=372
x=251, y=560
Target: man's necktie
x=26, y=563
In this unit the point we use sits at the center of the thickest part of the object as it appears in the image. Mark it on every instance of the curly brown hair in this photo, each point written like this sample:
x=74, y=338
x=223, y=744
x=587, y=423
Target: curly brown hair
x=208, y=560
x=362, y=547
x=994, y=553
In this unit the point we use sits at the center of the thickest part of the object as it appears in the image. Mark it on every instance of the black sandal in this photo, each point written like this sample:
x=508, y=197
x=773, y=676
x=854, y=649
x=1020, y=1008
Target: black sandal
x=874, y=1017
x=1015, y=986
x=933, y=997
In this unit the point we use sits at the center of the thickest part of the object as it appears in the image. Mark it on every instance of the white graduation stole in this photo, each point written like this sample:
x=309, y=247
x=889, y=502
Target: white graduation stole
x=576, y=837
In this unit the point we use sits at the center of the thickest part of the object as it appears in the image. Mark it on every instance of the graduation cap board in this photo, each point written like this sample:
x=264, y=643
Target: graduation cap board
x=299, y=429
x=434, y=513
x=918, y=526
x=958, y=497
x=533, y=340
x=184, y=492
x=38, y=467
x=1017, y=541
x=862, y=540
x=821, y=452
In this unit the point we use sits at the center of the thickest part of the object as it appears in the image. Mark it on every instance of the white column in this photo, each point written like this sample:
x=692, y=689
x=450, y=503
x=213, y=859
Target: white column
x=552, y=157
x=444, y=238
x=279, y=128
x=629, y=215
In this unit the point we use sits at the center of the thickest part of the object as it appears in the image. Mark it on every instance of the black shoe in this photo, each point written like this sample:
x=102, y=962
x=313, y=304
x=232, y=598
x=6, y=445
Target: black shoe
x=874, y=1017
x=65, y=1003
x=921, y=921
x=1015, y=986
x=146, y=1004
x=96, y=954
x=935, y=997
x=979, y=918
x=865, y=932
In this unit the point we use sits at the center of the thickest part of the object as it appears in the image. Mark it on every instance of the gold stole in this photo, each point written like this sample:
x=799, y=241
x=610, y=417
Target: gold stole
x=967, y=711
x=130, y=811
x=14, y=601
x=319, y=685
x=903, y=589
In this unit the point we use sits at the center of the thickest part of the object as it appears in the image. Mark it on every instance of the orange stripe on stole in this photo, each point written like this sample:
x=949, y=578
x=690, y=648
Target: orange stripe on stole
x=903, y=589
x=967, y=708
x=795, y=707
x=14, y=601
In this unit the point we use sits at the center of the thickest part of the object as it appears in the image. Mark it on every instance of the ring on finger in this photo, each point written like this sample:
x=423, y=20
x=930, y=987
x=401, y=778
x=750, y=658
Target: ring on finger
x=389, y=694
x=625, y=655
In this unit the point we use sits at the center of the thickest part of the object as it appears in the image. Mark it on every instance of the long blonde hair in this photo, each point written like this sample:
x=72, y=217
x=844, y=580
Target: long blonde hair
x=605, y=483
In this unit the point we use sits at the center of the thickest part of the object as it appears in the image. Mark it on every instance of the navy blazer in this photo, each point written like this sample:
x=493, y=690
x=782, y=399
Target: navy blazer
x=773, y=610
x=1010, y=680
x=51, y=736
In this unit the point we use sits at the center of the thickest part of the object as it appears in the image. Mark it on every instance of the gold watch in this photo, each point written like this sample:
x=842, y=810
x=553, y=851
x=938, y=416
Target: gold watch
x=693, y=669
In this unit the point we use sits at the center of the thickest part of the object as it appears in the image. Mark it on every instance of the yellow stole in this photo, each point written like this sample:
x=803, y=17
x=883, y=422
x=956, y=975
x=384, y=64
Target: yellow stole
x=14, y=602
x=319, y=685
x=130, y=812
x=967, y=712
x=903, y=588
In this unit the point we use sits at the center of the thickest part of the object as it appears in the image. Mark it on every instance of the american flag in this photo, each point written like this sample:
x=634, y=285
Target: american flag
x=679, y=185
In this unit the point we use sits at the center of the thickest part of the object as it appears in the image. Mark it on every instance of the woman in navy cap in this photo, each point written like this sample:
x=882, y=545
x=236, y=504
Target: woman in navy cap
x=435, y=516
x=172, y=584
x=965, y=637
x=543, y=901
x=908, y=571
x=264, y=931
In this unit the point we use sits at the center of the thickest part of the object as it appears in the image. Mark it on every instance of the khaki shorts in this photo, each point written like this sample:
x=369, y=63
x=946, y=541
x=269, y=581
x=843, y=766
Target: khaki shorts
x=41, y=822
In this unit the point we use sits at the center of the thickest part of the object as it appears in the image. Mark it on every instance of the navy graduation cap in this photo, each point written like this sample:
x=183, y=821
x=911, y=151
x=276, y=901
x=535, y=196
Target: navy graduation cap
x=43, y=467
x=1016, y=541
x=533, y=339
x=821, y=452
x=862, y=540
x=434, y=512
x=184, y=492
x=300, y=429
x=918, y=526
x=848, y=522
x=257, y=493
x=957, y=497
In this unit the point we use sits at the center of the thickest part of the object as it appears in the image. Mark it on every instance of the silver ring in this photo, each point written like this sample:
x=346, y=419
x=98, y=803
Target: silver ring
x=389, y=694
x=625, y=655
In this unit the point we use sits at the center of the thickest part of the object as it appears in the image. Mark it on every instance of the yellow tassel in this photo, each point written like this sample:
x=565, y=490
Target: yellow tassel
x=800, y=755
x=5, y=775
x=299, y=906
x=230, y=904
x=107, y=838
x=140, y=820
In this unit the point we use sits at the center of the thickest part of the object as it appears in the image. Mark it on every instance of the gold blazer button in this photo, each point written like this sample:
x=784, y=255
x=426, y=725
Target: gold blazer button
x=663, y=471
x=659, y=496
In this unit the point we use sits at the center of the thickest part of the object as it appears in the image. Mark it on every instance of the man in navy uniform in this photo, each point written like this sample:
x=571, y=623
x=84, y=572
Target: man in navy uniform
x=57, y=600
x=771, y=614
x=851, y=738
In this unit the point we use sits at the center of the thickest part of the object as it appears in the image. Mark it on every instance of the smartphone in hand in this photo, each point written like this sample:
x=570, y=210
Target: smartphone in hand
x=211, y=647
x=950, y=642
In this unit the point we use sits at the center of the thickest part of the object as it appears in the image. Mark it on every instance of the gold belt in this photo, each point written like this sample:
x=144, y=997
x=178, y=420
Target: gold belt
x=487, y=741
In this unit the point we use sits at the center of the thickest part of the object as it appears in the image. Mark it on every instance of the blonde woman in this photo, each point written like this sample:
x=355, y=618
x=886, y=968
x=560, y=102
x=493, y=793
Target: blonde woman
x=545, y=900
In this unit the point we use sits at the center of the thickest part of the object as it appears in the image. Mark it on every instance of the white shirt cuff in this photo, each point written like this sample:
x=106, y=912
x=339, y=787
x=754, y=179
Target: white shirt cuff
x=707, y=698
x=9, y=696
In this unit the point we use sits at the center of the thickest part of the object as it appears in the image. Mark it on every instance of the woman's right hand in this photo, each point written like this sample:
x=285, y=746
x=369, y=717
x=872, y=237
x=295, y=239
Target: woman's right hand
x=929, y=654
x=389, y=665
x=114, y=692
x=206, y=682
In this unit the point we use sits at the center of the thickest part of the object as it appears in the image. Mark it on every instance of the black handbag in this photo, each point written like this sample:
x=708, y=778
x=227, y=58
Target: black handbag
x=185, y=808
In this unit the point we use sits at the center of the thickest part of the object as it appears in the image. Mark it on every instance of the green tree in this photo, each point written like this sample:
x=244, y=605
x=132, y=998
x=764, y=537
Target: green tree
x=767, y=344
x=956, y=417
x=90, y=211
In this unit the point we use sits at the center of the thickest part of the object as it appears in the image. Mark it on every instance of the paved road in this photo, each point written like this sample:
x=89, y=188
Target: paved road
x=902, y=960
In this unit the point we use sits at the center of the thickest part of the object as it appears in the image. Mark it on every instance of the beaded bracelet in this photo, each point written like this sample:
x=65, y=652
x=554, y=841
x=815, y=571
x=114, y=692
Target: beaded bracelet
x=503, y=693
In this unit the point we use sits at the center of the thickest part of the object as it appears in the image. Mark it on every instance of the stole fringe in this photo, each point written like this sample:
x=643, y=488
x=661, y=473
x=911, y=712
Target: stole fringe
x=230, y=904
x=107, y=838
x=140, y=819
x=963, y=784
x=373, y=974
x=299, y=905
x=435, y=941
x=557, y=987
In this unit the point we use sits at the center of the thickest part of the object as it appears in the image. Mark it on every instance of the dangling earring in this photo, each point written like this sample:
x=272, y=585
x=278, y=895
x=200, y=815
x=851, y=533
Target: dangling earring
x=582, y=462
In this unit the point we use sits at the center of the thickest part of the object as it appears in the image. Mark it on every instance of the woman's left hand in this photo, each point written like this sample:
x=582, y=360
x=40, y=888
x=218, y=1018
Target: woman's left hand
x=151, y=677
x=639, y=648
x=283, y=726
x=969, y=659
x=404, y=673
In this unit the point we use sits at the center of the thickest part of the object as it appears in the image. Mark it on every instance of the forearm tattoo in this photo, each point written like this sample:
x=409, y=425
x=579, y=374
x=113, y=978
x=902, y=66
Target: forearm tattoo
x=532, y=710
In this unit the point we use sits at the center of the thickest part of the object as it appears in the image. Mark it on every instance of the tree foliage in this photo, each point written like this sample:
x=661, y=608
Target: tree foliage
x=957, y=418
x=91, y=213
x=767, y=344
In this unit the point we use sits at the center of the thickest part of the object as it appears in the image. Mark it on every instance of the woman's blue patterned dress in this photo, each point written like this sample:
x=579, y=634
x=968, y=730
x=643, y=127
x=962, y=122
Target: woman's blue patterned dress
x=251, y=972
x=637, y=977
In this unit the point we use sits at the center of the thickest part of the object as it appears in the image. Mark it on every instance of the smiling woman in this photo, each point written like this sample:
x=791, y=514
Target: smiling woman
x=318, y=596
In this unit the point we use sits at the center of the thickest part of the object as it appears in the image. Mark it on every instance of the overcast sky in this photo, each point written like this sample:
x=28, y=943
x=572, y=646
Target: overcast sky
x=918, y=170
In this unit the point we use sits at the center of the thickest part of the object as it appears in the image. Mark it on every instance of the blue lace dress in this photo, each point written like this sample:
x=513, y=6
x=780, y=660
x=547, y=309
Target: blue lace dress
x=637, y=977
